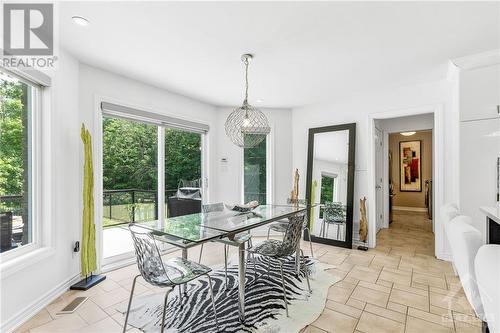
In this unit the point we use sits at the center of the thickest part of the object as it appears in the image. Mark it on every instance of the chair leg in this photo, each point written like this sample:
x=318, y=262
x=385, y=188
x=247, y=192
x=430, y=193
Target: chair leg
x=306, y=271
x=164, y=310
x=268, y=231
x=310, y=242
x=180, y=295
x=201, y=253
x=225, y=263
x=213, y=301
x=129, y=303
x=268, y=266
x=254, y=267
x=284, y=288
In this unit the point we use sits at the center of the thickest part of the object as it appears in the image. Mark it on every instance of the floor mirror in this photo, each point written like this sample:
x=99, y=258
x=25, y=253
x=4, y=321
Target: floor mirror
x=330, y=184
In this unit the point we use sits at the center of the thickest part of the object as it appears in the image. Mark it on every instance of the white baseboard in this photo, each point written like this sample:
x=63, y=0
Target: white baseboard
x=36, y=306
x=444, y=256
x=410, y=209
x=356, y=243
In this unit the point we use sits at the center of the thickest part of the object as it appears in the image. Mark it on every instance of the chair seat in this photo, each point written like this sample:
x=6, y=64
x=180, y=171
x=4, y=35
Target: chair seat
x=180, y=271
x=270, y=248
x=279, y=226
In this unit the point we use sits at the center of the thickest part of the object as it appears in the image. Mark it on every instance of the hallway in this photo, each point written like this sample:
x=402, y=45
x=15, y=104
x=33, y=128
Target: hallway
x=409, y=234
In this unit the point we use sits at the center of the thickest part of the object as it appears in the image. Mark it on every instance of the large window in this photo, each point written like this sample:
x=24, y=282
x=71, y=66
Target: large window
x=16, y=111
x=255, y=173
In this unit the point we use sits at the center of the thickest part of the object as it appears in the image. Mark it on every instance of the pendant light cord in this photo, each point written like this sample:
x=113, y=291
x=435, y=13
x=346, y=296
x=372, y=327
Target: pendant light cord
x=246, y=81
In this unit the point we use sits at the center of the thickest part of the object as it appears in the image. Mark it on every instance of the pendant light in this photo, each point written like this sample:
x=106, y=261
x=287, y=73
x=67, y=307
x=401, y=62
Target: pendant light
x=246, y=126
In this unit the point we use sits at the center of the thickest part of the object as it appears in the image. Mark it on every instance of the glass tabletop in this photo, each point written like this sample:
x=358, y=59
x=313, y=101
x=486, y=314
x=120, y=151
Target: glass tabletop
x=234, y=222
x=207, y=226
x=187, y=228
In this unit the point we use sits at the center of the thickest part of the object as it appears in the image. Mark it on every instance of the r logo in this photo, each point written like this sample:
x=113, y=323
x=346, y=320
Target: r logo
x=28, y=29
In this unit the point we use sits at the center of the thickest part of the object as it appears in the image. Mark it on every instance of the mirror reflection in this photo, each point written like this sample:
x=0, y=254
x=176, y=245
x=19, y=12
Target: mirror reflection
x=329, y=184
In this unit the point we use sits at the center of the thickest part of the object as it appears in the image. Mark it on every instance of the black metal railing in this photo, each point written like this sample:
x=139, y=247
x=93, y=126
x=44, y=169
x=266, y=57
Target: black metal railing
x=11, y=221
x=131, y=205
x=12, y=203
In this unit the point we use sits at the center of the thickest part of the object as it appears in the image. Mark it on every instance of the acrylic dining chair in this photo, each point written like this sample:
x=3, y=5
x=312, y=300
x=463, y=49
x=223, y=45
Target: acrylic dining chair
x=165, y=274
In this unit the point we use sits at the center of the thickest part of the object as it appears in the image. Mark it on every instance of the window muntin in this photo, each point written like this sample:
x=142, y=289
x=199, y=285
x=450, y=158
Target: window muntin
x=17, y=108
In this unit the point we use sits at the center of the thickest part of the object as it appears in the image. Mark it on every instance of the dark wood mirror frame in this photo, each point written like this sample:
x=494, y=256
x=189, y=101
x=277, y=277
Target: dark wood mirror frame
x=350, y=181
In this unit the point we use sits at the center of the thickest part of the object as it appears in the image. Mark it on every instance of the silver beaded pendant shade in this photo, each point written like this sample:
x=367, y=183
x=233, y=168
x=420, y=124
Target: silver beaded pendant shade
x=247, y=126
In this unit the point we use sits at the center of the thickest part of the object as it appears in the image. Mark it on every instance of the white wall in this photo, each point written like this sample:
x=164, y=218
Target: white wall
x=227, y=180
x=33, y=287
x=356, y=109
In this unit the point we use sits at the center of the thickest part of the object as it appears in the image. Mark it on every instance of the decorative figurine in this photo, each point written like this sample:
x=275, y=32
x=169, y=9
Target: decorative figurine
x=363, y=225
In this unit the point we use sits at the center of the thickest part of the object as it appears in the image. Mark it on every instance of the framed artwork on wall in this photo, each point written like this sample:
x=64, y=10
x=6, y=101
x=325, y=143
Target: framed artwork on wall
x=410, y=166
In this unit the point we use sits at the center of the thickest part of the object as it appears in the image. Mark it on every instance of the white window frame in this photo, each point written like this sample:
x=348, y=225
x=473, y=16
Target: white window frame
x=41, y=245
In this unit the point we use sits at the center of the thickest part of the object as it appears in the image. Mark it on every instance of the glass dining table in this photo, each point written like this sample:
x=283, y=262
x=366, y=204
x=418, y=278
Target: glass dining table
x=192, y=230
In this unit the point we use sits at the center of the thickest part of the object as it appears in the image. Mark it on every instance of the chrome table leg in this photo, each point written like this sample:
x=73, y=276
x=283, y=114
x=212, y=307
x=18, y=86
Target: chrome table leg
x=241, y=281
x=184, y=256
x=297, y=258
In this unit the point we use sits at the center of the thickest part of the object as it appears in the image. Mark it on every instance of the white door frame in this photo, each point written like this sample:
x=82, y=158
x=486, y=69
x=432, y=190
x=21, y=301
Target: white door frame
x=438, y=169
x=382, y=189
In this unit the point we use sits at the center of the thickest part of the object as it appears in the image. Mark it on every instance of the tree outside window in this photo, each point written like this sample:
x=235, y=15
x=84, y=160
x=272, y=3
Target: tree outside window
x=15, y=163
x=327, y=191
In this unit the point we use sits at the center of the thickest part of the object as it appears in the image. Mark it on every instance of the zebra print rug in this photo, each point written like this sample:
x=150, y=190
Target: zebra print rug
x=264, y=305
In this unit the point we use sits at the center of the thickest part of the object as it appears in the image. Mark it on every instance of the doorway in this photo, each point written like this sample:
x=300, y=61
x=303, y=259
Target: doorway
x=404, y=169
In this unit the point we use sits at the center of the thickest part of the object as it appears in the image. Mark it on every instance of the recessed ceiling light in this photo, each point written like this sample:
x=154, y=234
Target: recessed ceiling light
x=407, y=133
x=259, y=100
x=80, y=20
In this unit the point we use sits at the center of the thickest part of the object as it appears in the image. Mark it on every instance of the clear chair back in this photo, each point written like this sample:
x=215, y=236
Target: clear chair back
x=216, y=207
x=334, y=212
x=148, y=256
x=293, y=234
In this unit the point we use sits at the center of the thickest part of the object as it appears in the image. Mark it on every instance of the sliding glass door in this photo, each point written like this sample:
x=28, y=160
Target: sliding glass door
x=134, y=186
x=130, y=180
x=183, y=176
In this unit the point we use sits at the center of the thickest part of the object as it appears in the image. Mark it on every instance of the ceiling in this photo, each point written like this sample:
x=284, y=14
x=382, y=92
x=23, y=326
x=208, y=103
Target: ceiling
x=332, y=146
x=305, y=52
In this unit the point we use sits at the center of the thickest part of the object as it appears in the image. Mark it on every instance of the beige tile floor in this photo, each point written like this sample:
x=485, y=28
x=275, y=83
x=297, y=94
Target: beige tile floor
x=397, y=287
